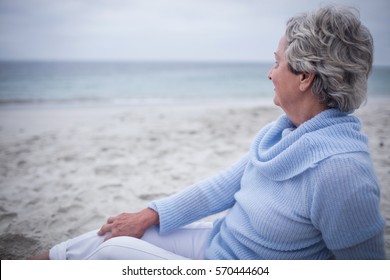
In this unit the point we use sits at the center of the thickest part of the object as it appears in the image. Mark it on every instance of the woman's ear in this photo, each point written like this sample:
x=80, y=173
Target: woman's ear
x=306, y=80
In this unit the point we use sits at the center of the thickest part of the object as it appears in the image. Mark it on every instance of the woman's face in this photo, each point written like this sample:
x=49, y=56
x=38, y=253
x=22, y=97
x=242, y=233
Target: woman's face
x=287, y=92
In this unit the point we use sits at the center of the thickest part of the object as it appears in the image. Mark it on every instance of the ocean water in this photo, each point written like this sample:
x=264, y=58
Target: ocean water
x=80, y=83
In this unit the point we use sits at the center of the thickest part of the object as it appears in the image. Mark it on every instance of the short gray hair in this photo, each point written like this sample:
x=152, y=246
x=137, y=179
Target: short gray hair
x=333, y=44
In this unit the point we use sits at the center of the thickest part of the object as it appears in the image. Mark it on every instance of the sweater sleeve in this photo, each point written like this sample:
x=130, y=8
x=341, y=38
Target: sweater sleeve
x=372, y=249
x=202, y=199
x=345, y=207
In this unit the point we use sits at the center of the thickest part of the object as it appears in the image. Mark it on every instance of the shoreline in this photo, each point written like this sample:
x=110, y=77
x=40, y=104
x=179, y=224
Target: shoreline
x=63, y=171
x=265, y=101
x=135, y=102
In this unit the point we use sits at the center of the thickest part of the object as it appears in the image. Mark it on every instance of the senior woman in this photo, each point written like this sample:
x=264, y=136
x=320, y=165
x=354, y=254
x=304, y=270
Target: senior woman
x=305, y=190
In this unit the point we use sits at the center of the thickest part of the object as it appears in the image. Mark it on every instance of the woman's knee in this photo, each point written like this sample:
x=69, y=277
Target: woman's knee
x=130, y=248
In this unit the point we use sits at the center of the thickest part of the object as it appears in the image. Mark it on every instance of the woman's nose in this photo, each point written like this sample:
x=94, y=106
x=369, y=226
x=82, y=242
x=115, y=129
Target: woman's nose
x=269, y=74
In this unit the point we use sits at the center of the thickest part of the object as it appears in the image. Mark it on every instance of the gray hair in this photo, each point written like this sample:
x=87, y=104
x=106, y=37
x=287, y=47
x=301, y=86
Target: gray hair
x=333, y=44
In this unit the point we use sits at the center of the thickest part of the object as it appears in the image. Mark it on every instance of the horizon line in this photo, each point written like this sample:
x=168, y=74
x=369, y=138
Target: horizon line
x=115, y=60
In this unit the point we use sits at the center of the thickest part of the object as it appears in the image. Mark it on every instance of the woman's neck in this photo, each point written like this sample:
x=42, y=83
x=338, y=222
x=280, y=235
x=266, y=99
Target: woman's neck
x=306, y=111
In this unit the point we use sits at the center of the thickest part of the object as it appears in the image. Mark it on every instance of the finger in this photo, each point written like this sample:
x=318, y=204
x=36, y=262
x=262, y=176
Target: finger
x=104, y=229
x=110, y=220
x=100, y=232
x=112, y=234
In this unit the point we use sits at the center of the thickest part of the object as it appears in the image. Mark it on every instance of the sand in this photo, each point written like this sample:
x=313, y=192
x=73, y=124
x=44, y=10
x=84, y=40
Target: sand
x=64, y=171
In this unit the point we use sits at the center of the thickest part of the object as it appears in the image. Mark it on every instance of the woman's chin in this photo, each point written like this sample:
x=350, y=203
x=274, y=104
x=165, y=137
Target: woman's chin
x=276, y=101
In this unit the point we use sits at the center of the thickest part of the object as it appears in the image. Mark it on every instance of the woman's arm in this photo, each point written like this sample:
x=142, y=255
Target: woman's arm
x=371, y=249
x=200, y=200
x=346, y=207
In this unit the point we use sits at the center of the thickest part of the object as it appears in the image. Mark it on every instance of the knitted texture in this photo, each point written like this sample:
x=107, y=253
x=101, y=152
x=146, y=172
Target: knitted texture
x=300, y=193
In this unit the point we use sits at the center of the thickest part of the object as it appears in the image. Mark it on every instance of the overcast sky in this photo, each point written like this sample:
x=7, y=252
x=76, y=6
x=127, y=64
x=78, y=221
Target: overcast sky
x=190, y=30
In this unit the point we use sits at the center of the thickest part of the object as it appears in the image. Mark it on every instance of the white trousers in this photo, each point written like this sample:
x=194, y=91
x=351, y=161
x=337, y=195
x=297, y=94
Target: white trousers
x=188, y=242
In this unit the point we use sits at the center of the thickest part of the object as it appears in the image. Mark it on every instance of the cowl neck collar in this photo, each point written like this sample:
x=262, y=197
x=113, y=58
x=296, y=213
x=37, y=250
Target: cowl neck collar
x=281, y=151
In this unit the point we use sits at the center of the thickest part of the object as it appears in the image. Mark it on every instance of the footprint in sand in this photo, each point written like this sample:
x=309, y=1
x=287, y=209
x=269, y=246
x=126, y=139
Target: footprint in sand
x=152, y=196
x=110, y=186
x=103, y=170
x=6, y=219
x=16, y=246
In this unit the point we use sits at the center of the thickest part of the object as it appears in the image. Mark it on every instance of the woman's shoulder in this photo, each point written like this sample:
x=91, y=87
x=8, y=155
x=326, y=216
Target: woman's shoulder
x=348, y=172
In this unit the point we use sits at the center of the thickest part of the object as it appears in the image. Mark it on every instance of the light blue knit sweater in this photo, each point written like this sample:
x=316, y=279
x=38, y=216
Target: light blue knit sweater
x=300, y=193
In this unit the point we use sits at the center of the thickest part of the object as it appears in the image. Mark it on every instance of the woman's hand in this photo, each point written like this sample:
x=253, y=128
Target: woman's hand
x=129, y=224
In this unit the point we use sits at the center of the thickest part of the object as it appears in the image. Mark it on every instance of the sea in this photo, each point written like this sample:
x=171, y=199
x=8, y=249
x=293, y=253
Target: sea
x=55, y=83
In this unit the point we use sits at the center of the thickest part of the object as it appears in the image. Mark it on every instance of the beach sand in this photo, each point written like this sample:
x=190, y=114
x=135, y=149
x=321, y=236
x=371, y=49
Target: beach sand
x=64, y=171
